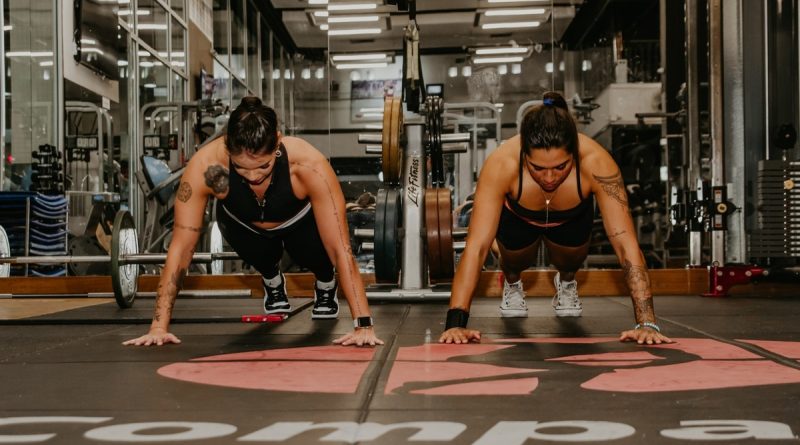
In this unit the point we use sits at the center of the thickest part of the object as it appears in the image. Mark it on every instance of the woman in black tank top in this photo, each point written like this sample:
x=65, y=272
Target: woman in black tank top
x=274, y=194
x=545, y=206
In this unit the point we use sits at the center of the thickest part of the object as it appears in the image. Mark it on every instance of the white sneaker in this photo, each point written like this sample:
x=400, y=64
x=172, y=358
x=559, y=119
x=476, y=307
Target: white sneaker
x=566, y=302
x=513, y=304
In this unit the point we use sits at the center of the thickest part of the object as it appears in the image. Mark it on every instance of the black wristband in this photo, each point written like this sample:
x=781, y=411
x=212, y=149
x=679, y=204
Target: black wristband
x=456, y=318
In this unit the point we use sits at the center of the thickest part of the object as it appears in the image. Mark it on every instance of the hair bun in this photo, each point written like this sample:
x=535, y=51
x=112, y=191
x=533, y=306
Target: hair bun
x=251, y=103
x=553, y=99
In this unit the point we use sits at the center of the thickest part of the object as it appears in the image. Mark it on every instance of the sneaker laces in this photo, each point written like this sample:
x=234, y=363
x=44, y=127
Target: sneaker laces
x=325, y=296
x=566, y=295
x=513, y=295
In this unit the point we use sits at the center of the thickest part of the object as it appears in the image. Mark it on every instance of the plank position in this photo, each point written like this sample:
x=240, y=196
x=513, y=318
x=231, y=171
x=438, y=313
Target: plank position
x=539, y=187
x=273, y=192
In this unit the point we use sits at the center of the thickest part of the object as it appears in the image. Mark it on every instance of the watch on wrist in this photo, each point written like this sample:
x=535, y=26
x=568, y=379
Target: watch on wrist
x=362, y=322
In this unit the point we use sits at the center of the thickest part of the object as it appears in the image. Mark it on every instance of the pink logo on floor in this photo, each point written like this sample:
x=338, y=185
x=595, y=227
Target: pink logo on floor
x=436, y=369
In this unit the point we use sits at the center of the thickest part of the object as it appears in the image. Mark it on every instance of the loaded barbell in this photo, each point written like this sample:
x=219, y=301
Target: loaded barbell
x=124, y=258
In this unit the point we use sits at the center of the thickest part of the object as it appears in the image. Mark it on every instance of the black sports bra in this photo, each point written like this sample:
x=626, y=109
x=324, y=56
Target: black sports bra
x=279, y=202
x=549, y=216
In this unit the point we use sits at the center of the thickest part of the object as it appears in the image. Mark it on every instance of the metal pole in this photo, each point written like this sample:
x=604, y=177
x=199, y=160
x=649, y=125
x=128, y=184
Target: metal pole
x=413, y=270
x=692, y=148
x=2, y=98
x=717, y=116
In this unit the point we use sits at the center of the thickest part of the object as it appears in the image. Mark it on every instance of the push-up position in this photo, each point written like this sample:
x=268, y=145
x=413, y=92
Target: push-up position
x=273, y=193
x=539, y=187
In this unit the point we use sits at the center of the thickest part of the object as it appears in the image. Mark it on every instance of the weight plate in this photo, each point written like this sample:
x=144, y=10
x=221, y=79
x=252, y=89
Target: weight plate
x=386, y=140
x=379, y=254
x=446, y=251
x=388, y=215
x=124, y=277
x=394, y=149
x=5, y=251
x=216, y=246
x=432, y=233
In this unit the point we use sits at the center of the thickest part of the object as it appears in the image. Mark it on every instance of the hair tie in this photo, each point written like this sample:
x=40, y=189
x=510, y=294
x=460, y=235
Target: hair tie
x=548, y=101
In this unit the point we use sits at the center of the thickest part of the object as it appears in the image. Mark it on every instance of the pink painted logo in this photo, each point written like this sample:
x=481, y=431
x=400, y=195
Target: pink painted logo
x=436, y=369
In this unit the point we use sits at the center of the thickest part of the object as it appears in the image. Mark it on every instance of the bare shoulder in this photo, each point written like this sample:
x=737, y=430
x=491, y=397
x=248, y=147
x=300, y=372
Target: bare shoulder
x=595, y=159
x=502, y=166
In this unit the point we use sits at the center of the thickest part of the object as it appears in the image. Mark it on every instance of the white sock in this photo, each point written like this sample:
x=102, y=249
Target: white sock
x=326, y=285
x=272, y=282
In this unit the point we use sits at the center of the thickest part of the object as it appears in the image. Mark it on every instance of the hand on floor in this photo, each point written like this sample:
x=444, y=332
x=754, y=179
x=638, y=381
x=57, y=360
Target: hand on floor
x=359, y=337
x=645, y=336
x=460, y=335
x=157, y=337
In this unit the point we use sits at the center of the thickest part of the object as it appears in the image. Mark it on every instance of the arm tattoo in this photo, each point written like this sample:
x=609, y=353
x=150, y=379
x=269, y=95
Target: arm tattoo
x=217, y=179
x=350, y=266
x=193, y=229
x=184, y=192
x=639, y=285
x=614, y=187
x=617, y=233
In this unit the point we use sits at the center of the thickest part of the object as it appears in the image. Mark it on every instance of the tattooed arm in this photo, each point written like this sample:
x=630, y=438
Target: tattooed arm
x=197, y=183
x=612, y=199
x=319, y=183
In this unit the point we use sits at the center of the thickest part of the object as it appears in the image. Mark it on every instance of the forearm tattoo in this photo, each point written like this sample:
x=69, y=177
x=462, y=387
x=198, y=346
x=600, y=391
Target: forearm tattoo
x=167, y=294
x=614, y=187
x=638, y=283
x=184, y=192
x=217, y=179
x=344, y=233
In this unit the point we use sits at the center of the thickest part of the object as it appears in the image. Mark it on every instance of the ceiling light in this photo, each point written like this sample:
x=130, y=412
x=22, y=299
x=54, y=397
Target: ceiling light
x=503, y=25
x=323, y=26
x=276, y=74
x=519, y=1
x=452, y=71
x=516, y=68
x=317, y=2
x=353, y=66
x=502, y=50
x=466, y=70
x=306, y=73
x=353, y=19
x=320, y=13
x=355, y=75
x=516, y=11
x=548, y=67
x=351, y=6
x=365, y=56
x=371, y=110
x=497, y=59
x=502, y=69
x=319, y=73
x=353, y=32
x=152, y=27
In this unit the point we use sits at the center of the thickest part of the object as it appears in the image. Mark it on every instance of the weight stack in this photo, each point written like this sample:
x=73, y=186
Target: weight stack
x=777, y=230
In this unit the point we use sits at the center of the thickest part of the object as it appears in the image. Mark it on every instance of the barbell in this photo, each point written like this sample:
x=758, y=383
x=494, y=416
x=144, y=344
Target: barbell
x=124, y=258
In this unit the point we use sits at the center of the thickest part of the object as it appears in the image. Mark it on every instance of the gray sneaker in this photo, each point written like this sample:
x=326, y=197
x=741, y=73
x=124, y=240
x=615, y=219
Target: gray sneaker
x=513, y=304
x=566, y=302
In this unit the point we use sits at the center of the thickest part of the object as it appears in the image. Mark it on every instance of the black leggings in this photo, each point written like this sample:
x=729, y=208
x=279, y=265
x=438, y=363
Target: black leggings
x=514, y=233
x=263, y=249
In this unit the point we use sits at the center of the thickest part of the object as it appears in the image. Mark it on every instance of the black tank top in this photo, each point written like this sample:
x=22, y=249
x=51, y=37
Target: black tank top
x=554, y=216
x=280, y=204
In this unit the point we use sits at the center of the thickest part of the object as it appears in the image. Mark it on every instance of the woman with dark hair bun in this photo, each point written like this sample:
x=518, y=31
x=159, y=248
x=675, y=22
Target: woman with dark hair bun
x=539, y=187
x=273, y=192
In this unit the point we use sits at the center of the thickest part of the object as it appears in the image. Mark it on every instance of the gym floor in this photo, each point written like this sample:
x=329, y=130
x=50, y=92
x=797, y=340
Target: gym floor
x=733, y=375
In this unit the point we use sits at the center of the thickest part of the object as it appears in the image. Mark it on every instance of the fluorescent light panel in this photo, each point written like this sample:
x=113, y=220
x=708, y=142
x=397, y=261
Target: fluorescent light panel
x=519, y=1
x=481, y=60
x=502, y=50
x=504, y=25
x=351, y=6
x=353, y=19
x=512, y=12
x=351, y=57
x=353, y=32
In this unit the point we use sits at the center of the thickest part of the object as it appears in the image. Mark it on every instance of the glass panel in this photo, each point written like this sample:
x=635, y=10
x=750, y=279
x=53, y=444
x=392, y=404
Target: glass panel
x=178, y=7
x=152, y=25
x=288, y=89
x=177, y=57
x=238, y=39
x=178, y=86
x=221, y=38
x=239, y=91
x=253, y=66
x=29, y=84
x=276, y=77
x=222, y=79
x=266, y=64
